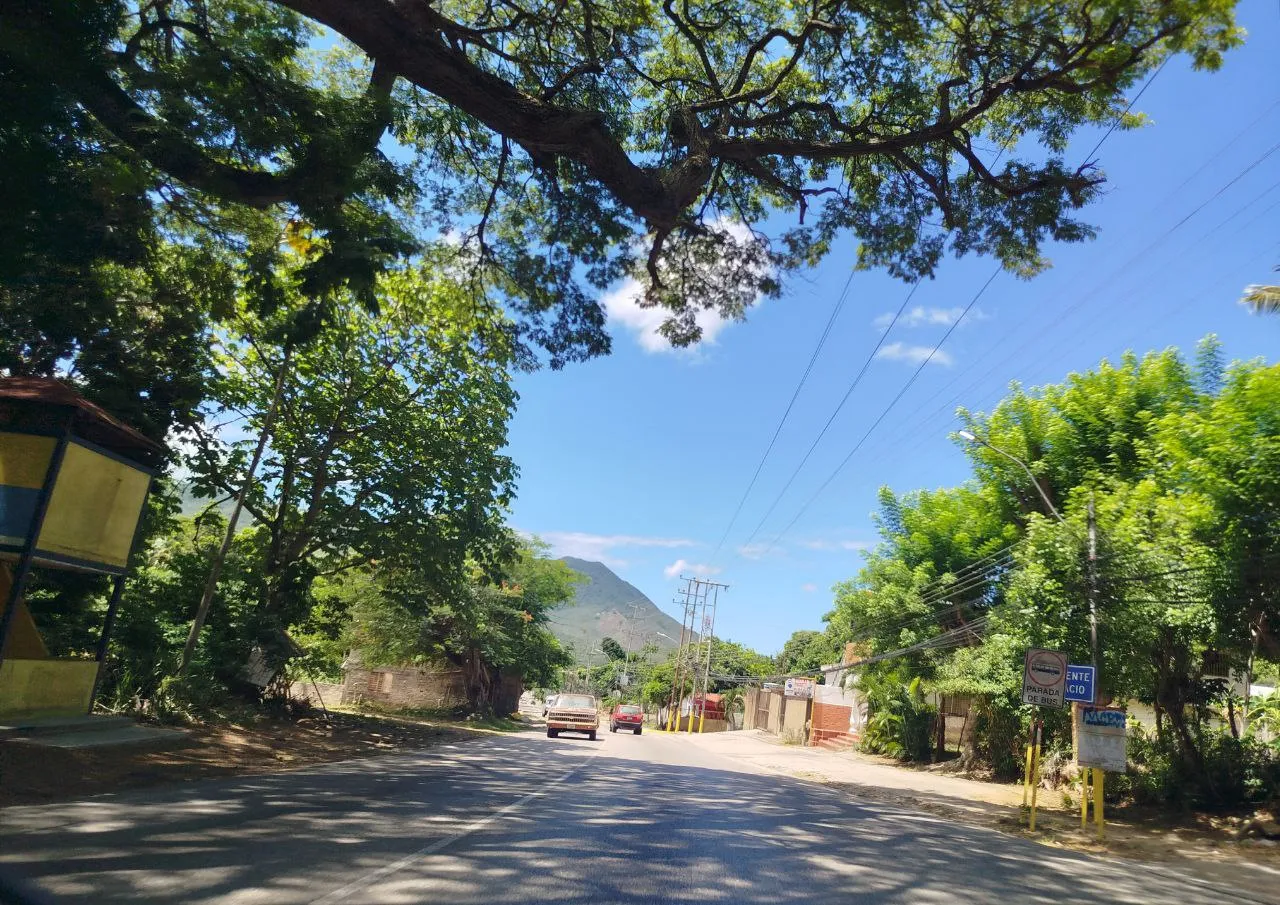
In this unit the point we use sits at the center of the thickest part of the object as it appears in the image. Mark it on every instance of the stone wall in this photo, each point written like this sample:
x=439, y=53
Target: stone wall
x=404, y=687
x=414, y=688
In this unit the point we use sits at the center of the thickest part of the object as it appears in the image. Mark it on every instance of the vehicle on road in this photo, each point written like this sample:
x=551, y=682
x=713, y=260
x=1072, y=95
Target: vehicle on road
x=573, y=713
x=626, y=716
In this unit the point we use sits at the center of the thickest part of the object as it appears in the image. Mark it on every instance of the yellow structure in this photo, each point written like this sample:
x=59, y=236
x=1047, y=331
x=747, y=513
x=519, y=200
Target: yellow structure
x=73, y=484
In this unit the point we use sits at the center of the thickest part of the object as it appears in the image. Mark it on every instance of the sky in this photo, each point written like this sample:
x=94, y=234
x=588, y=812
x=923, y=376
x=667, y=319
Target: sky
x=639, y=459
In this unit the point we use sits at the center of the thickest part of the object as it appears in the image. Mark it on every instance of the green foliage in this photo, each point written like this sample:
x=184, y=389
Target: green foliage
x=493, y=621
x=901, y=722
x=1234, y=771
x=565, y=148
x=807, y=650
x=1182, y=467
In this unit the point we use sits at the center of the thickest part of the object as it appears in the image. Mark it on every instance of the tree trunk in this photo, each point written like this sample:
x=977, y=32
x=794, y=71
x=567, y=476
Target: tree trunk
x=215, y=570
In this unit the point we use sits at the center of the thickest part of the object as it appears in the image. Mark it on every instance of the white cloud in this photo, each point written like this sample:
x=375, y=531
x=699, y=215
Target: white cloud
x=754, y=551
x=624, y=304
x=623, y=307
x=822, y=544
x=694, y=568
x=808, y=587
x=599, y=547
x=920, y=316
x=915, y=354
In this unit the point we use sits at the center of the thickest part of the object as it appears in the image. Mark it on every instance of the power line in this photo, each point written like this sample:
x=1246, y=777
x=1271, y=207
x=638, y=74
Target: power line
x=822, y=341
x=893, y=402
x=839, y=406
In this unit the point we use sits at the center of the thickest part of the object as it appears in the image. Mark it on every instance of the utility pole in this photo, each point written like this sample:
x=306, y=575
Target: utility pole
x=1095, y=644
x=686, y=625
x=709, y=631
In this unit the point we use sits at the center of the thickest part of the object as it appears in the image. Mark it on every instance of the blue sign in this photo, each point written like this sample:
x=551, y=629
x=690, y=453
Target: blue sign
x=1080, y=684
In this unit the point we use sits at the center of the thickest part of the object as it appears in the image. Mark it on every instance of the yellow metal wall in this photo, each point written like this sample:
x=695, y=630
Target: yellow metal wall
x=24, y=459
x=46, y=687
x=24, y=641
x=95, y=507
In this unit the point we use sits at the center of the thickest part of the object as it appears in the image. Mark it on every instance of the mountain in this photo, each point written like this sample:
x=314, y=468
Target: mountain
x=603, y=607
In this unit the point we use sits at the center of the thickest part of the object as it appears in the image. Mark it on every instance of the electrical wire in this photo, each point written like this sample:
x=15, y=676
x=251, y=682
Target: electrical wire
x=893, y=402
x=866, y=364
x=804, y=377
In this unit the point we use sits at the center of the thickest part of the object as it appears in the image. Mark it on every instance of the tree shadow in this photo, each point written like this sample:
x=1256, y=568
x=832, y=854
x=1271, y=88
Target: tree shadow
x=624, y=827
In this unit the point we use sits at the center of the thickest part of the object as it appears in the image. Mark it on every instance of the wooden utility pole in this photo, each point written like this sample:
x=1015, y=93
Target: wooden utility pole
x=1095, y=643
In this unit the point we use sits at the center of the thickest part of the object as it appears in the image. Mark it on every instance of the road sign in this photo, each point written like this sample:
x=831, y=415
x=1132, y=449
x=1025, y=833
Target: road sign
x=1101, y=739
x=798, y=688
x=1044, y=678
x=1080, y=683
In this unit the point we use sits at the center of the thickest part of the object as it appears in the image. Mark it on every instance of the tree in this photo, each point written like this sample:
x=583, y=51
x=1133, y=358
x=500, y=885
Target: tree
x=807, y=650
x=494, y=620
x=587, y=142
x=612, y=649
x=1262, y=299
x=386, y=445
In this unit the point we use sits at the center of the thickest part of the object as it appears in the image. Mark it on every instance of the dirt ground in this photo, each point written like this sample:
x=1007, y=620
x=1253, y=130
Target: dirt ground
x=30, y=774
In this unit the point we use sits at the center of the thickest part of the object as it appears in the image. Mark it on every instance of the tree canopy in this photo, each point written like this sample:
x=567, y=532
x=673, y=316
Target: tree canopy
x=559, y=147
x=1179, y=462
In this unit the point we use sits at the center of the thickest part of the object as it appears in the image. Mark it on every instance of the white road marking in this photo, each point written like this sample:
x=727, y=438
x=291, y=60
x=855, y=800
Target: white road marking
x=341, y=894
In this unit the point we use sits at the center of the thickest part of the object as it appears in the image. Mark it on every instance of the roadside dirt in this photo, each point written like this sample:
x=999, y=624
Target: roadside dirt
x=1207, y=846
x=30, y=774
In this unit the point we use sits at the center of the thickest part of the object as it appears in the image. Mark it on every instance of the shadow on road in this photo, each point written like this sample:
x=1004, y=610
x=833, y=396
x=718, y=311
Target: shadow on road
x=621, y=829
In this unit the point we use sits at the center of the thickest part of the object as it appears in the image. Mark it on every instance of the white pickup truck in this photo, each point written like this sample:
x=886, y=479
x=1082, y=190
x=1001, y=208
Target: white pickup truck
x=573, y=713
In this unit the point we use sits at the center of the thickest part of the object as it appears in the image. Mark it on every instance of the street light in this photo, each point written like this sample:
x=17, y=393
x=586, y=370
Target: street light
x=971, y=437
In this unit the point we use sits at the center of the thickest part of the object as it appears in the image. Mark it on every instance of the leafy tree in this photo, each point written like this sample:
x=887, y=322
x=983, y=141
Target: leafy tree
x=494, y=620
x=564, y=144
x=385, y=445
x=1262, y=299
x=612, y=649
x=807, y=650
x=1180, y=465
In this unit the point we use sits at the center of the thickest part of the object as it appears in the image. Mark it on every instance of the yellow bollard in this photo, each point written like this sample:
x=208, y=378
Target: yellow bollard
x=1084, y=797
x=1035, y=781
x=1026, y=776
x=1099, y=777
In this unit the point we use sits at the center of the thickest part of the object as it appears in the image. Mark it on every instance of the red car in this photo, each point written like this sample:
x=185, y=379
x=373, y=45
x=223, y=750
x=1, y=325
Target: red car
x=626, y=716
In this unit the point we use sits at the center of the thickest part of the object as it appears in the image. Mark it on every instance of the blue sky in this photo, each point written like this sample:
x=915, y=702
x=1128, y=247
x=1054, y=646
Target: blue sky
x=640, y=458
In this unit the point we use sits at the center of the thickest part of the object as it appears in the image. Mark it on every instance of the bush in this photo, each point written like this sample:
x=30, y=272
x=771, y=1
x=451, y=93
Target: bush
x=902, y=723
x=1236, y=771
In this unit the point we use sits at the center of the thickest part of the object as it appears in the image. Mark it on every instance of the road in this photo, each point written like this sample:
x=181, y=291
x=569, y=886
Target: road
x=523, y=818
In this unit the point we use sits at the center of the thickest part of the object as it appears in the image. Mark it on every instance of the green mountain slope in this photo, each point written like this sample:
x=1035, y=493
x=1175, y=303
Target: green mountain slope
x=603, y=607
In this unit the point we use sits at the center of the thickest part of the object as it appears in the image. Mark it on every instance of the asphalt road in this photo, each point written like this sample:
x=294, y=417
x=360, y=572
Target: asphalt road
x=524, y=818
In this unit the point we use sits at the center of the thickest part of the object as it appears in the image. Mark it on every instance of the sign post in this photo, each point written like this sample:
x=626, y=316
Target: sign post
x=1044, y=682
x=1101, y=745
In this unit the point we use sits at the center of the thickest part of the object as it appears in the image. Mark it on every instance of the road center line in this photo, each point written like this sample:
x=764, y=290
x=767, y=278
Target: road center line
x=341, y=894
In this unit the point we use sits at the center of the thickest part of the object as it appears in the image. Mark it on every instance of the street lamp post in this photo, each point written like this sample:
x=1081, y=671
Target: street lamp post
x=971, y=437
x=1095, y=645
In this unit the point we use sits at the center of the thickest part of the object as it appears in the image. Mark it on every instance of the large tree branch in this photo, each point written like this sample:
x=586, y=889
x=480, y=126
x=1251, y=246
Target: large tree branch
x=407, y=36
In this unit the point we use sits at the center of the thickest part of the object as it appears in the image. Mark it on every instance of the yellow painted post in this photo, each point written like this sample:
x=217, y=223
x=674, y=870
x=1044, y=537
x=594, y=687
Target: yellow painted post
x=1035, y=778
x=702, y=718
x=1099, y=777
x=1026, y=773
x=1084, y=797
